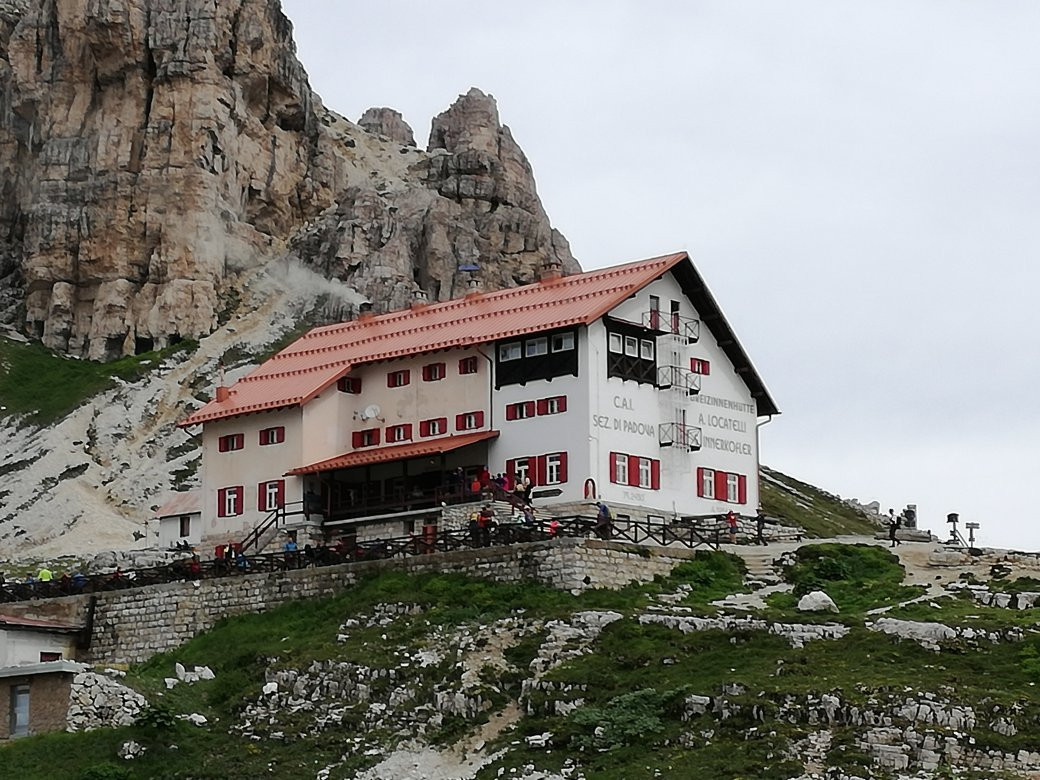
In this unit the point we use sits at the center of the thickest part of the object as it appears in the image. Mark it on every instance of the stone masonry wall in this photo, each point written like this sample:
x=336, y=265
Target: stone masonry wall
x=130, y=626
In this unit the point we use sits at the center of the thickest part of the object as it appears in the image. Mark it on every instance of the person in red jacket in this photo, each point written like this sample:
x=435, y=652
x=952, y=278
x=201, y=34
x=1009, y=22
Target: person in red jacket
x=731, y=521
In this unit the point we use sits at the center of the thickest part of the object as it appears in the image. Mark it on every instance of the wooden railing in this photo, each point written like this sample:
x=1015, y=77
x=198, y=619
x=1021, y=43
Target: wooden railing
x=687, y=533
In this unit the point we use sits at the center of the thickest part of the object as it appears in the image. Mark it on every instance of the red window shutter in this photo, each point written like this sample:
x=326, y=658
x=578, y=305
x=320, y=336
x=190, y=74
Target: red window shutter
x=633, y=470
x=261, y=494
x=529, y=409
x=265, y=434
x=281, y=492
x=511, y=411
x=479, y=418
x=443, y=427
x=700, y=482
x=540, y=470
x=238, y=499
x=460, y=422
x=389, y=378
x=563, y=467
x=462, y=366
x=720, y=485
x=240, y=441
x=442, y=370
x=543, y=406
x=511, y=468
x=613, y=466
x=355, y=439
x=742, y=489
x=222, y=444
x=375, y=436
x=562, y=401
x=655, y=474
x=220, y=503
x=424, y=428
x=407, y=431
x=406, y=377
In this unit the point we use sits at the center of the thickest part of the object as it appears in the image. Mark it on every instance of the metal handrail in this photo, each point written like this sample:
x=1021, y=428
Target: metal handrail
x=675, y=324
x=680, y=377
x=683, y=532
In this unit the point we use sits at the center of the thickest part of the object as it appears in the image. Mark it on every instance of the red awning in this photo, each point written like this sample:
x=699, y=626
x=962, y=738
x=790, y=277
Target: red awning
x=407, y=451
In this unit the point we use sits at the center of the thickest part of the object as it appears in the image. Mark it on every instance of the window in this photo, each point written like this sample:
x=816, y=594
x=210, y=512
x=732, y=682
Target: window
x=434, y=371
x=399, y=433
x=733, y=488
x=270, y=495
x=272, y=435
x=706, y=483
x=644, y=472
x=700, y=366
x=46, y=657
x=535, y=347
x=233, y=441
x=619, y=468
x=434, y=427
x=635, y=471
x=555, y=405
x=655, y=312
x=521, y=410
x=229, y=501
x=468, y=365
x=366, y=438
x=614, y=343
x=19, y=710
x=510, y=351
x=468, y=421
x=556, y=468
x=398, y=378
x=631, y=346
x=563, y=342
x=675, y=316
x=646, y=349
x=519, y=469
x=184, y=523
x=722, y=486
x=349, y=384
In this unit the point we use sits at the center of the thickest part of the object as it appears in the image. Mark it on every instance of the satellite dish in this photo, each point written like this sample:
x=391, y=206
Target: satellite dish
x=369, y=412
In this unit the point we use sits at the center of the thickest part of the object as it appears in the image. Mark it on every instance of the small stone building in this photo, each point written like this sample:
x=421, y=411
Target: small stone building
x=180, y=519
x=34, y=698
x=29, y=641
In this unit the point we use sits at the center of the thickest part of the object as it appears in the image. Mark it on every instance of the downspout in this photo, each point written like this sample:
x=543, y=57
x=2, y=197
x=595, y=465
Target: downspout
x=491, y=388
x=758, y=457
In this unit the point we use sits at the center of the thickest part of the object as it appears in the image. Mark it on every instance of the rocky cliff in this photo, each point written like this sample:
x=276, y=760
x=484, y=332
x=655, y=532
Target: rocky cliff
x=152, y=151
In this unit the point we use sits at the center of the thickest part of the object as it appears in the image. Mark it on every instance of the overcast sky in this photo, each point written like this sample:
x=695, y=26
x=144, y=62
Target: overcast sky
x=859, y=183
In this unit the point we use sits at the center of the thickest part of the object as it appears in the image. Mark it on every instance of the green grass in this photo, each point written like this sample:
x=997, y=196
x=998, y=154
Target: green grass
x=821, y=514
x=44, y=387
x=857, y=577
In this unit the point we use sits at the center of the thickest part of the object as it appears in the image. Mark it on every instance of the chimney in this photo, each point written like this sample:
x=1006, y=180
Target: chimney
x=476, y=287
x=420, y=299
x=365, y=312
x=223, y=391
x=552, y=269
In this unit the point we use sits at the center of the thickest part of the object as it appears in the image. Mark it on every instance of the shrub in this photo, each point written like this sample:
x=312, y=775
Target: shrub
x=105, y=772
x=624, y=720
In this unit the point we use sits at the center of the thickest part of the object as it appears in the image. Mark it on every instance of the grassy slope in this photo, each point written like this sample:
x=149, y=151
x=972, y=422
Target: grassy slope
x=635, y=680
x=821, y=514
x=44, y=386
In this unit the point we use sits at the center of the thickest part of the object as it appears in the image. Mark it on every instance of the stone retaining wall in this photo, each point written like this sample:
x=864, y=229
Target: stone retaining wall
x=132, y=625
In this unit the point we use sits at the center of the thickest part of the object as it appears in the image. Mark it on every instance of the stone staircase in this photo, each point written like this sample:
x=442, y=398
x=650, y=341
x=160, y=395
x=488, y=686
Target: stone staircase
x=759, y=562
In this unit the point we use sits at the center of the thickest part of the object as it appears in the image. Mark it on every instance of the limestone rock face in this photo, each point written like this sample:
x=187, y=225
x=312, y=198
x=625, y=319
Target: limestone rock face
x=475, y=215
x=153, y=150
x=388, y=122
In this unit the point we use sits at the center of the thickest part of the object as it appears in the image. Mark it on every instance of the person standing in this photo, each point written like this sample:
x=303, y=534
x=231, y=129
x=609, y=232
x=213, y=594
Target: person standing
x=893, y=526
x=760, y=527
x=731, y=523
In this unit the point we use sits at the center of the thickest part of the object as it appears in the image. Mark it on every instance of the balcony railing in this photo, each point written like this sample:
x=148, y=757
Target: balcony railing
x=680, y=378
x=675, y=324
x=679, y=435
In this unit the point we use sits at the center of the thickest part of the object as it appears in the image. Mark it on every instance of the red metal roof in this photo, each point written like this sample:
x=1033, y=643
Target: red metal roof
x=182, y=503
x=396, y=452
x=311, y=363
x=10, y=621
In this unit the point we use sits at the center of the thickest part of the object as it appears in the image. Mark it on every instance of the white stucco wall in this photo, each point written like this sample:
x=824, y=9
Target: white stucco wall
x=248, y=467
x=24, y=647
x=170, y=530
x=626, y=415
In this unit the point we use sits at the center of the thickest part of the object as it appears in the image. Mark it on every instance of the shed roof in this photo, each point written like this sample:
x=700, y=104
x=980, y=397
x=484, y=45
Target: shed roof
x=185, y=502
x=417, y=449
x=313, y=362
